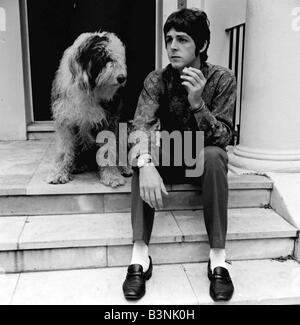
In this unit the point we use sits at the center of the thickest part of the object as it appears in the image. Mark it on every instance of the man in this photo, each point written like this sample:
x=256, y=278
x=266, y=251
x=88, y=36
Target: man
x=189, y=95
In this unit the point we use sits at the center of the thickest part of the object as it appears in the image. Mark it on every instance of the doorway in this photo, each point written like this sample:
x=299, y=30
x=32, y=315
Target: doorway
x=53, y=26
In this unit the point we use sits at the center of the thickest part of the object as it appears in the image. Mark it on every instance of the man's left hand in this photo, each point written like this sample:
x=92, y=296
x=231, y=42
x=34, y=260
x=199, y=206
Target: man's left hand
x=194, y=81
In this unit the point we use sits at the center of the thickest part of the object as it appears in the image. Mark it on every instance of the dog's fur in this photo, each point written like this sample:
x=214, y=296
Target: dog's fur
x=91, y=72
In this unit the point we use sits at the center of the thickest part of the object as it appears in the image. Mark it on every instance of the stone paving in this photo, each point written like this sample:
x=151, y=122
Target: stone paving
x=23, y=169
x=275, y=283
x=25, y=165
x=18, y=163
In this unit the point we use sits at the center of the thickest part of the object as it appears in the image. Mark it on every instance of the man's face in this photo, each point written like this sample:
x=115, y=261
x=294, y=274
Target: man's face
x=181, y=50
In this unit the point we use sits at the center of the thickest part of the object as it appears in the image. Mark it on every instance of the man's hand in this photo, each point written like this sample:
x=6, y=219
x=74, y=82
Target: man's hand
x=152, y=187
x=194, y=81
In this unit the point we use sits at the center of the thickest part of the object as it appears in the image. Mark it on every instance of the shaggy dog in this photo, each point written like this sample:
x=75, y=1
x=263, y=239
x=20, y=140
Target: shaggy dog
x=85, y=102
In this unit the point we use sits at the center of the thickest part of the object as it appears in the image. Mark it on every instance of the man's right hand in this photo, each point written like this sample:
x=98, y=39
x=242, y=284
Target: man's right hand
x=152, y=187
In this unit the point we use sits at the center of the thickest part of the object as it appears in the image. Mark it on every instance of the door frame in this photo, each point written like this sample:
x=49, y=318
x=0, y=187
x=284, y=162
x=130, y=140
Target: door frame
x=26, y=61
x=161, y=11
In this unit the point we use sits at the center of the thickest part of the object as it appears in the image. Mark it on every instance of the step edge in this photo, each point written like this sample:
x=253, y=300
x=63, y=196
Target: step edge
x=40, y=127
x=94, y=189
x=24, y=192
x=117, y=242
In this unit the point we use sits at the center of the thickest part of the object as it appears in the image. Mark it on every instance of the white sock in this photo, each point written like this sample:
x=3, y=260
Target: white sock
x=218, y=258
x=140, y=255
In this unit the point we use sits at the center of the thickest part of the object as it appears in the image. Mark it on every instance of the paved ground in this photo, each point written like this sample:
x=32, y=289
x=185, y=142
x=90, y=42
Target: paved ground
x=18, y=163
x=23, y=166
x=256, y=282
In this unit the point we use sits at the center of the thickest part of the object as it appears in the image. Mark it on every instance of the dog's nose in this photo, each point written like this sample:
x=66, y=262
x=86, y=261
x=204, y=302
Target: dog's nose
x=121, y=79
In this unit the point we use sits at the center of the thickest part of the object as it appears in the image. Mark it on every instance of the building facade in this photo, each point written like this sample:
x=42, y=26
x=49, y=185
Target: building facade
x=33, y=37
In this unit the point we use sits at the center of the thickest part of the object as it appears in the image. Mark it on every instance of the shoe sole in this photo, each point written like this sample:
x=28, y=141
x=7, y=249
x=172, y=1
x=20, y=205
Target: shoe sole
x=219, y=299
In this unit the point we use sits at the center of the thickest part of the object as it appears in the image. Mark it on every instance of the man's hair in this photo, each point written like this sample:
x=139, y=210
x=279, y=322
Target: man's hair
x=193, y=22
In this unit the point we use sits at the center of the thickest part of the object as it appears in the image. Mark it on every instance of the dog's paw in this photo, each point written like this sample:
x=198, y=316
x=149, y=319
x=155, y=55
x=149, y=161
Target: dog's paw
x=112, y=177
x=59, y=178
x=114, y=181
x=126, y=171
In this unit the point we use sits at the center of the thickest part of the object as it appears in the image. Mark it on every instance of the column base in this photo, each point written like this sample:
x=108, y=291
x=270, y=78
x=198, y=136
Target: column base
x=265, y=161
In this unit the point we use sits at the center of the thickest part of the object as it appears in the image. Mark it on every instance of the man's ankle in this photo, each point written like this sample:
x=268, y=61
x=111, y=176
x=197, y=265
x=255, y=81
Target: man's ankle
x=217, y=258
x=140, y=255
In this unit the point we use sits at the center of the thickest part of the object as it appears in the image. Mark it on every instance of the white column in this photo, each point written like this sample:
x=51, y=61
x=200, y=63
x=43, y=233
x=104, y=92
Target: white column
x=2, y=20
x=12, y=98
x=270, y=125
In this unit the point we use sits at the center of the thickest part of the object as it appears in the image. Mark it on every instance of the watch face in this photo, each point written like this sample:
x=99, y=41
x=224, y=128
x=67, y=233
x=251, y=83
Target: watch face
x=141, y=163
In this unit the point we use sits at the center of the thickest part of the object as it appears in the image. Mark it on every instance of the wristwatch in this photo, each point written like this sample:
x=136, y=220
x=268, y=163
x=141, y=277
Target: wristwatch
x=144, y=160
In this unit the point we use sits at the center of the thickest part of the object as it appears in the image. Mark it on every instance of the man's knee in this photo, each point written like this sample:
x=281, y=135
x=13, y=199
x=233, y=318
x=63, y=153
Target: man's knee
x=135, y=179
x=215, y=156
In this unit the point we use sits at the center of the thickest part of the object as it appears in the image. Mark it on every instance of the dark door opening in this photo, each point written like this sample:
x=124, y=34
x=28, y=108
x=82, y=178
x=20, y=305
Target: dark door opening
x=55, y=24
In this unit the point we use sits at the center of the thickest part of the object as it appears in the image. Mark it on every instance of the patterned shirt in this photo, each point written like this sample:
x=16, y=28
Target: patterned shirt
x=163, y=105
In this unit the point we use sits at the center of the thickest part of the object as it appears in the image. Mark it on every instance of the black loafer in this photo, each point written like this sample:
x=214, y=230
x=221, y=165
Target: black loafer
x=221, y=287
x=134, y=287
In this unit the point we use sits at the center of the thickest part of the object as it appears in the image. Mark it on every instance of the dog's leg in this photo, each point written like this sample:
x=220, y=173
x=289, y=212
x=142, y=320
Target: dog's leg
x=111, y=176
x=64, y=164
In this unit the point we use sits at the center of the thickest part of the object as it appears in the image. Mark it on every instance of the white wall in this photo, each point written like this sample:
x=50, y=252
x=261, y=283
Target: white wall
x=2, y=20
x=223, y=14
x=12, y=103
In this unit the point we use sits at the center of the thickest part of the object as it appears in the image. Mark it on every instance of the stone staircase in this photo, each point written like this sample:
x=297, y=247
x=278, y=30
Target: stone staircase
x=84, y=225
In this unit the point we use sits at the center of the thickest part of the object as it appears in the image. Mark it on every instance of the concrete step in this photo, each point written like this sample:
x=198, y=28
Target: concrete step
x=24, y=191
x=263, y=282
x=40, y=131
x=47, y=126
x=86, y=195
x=62, y=242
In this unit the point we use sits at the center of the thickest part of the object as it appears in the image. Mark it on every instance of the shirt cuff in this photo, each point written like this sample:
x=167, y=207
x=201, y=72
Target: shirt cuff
x=204, y=117
x=199, y=108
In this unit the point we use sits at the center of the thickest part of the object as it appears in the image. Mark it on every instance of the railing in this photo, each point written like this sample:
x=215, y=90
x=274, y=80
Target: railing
x=236, y=63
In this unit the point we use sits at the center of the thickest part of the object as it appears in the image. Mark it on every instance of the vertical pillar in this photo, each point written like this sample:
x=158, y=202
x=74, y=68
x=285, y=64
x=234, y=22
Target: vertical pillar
x=2, y=20
x=270, y=132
